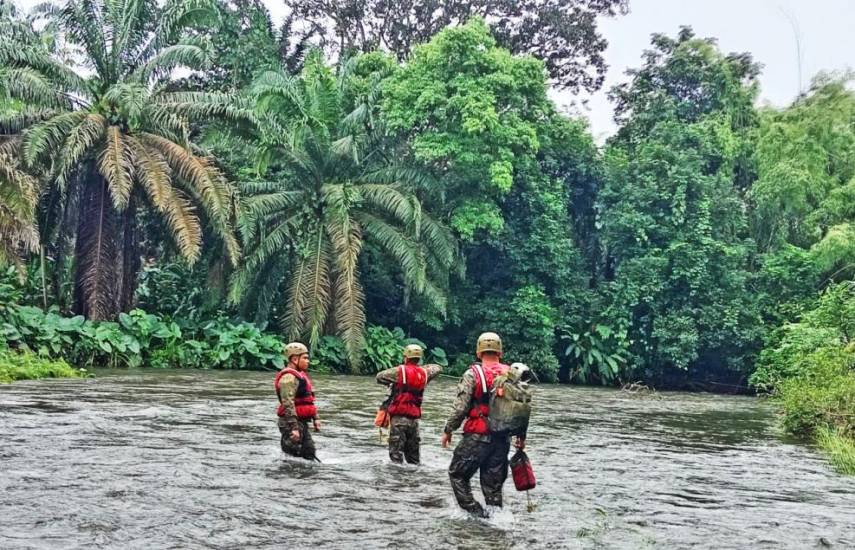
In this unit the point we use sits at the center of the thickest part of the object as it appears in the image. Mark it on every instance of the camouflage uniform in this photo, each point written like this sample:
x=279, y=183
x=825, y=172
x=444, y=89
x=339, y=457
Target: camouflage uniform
x=305, y=447
x=487, y=453
x=404, y=437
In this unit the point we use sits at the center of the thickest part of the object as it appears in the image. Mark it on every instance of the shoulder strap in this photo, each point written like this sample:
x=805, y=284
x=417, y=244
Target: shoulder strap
x=479, y=373
x=403, y=374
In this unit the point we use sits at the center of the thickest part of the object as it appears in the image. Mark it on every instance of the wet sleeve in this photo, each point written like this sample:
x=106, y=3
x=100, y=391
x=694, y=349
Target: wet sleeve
x=388, y=376
x=462, y=402
x=287, y=391
x=432, y=371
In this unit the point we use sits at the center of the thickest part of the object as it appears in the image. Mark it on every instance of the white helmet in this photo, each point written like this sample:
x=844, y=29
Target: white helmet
x=519, y=372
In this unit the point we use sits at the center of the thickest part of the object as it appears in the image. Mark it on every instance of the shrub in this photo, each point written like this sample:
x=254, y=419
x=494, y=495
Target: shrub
x=382, y=348
x=597, y=353
x=809, y=367
x=822, y=396
x=330, y=355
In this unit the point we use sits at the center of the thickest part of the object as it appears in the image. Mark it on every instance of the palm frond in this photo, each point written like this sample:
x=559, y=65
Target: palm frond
x=207, y=105
x=155, y=175
x=163, y=121
x=439, y=239
x=390, y=200
x=47, y=137
x=308, y=297
x=80, y=141
x=193, y=54
x=18, y=198
x=116, y=164
x=217, y=195
x=250, y=188
x=406, y=252
x=318, y=288
x=128, y=18
x=272, y=244
x=346, y=239
x=29, y=86
x=83, y=22
x=34, y=58
x=177, y=15
x=16, y=122
x=259, y=207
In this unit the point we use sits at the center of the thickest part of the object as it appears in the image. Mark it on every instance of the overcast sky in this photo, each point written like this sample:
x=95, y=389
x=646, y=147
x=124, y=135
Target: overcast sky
x=765, y=28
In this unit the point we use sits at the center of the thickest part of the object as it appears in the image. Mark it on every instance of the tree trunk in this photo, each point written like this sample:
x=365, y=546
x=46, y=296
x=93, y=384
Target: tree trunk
x=97, y=264
x=130, y=256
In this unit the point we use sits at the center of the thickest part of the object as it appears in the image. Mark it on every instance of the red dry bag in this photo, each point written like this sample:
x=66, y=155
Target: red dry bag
x=522, y=472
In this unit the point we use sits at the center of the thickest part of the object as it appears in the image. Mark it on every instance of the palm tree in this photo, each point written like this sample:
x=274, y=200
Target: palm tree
x=18, y=189
x=339, y=190
x=112, y=139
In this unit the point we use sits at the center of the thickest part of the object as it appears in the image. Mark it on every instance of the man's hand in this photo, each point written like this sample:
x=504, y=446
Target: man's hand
x=317, y=424
x=444, y=440
x=295, y=436
x=519, y=443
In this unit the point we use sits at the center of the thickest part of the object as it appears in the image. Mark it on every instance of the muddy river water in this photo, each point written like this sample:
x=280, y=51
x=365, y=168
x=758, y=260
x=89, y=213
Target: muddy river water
x=190, y=459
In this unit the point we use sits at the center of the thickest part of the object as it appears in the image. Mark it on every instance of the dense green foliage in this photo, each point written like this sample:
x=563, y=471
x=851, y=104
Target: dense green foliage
x=673, y=224
x=145, y=339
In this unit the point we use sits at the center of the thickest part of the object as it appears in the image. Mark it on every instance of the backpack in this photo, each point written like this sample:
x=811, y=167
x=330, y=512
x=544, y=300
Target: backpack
x=510, y=403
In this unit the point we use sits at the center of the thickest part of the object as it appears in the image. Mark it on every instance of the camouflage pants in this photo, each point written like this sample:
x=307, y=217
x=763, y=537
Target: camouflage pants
x=305, y=447
x=404, y=440
x=490, y=456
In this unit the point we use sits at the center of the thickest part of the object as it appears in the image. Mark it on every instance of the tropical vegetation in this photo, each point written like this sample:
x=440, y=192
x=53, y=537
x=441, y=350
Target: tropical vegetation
x=184, y=183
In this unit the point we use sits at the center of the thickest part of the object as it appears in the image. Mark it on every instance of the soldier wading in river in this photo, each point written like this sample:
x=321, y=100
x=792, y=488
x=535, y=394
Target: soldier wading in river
x=408, y=382
x=296, y=403
x=479, y=449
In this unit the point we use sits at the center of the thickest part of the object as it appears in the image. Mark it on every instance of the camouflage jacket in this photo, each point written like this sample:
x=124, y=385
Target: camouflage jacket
x=287, y=391
x=462, y=401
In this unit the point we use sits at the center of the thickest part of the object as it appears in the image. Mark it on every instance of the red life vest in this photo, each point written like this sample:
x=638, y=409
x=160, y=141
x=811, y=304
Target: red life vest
x=484, y=376
x=304, y=398
x=409, y=390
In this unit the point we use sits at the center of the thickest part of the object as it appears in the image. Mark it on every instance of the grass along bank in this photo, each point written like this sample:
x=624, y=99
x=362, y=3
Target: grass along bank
x=15, y=365
x=839, y=449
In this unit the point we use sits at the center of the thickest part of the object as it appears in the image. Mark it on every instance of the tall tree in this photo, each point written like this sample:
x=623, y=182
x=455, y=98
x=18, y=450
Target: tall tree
x=111, y=139
x=338, y=190
x=469, y=110
x=563, y=33
x=805, y=191
x=506, y=167
x=674, y=224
